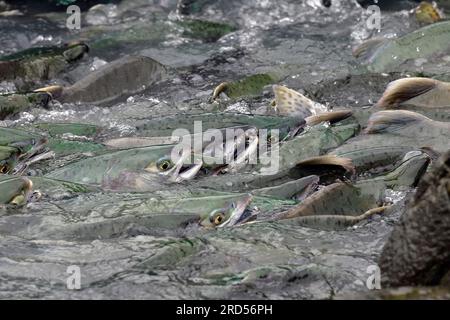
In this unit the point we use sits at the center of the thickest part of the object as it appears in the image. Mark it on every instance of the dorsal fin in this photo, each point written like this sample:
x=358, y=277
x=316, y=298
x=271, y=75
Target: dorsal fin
x=291, y=103
x=392, y=120
x=402, y=90
x=332, y=117
x=331, y=160
x=366, y=49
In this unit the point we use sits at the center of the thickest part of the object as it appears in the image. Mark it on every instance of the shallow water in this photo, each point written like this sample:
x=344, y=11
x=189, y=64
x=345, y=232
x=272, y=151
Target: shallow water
x=306, y=45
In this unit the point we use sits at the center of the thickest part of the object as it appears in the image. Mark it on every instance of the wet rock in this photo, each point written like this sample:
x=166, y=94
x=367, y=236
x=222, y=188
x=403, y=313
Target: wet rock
x=417, y=252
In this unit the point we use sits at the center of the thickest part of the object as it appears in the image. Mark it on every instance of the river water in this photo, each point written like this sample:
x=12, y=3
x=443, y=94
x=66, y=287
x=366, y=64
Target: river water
x=306, y=44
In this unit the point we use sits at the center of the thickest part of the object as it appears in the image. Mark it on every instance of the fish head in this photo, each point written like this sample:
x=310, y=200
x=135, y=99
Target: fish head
x=411, y=169
x=15, y=190
x=8, y=159
x=39, y=98
x=176, y=170
x=75, y=50
x=233, y=213
x=46, y=94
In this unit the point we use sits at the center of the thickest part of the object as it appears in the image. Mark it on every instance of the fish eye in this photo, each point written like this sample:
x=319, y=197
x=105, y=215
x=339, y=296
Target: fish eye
x=164, y=164
x=217, y=218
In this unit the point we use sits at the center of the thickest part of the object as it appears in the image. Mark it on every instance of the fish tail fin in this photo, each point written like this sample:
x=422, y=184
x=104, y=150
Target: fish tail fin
x=332, y=117
x=291, y=103
x=55, y=91
x=402, y=90
x=371, y=212
x=392, y=120
x=332, y=160
x=365, y=49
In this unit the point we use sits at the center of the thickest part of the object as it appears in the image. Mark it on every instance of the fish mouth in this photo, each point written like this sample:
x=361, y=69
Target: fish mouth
x=37, y=153
x=311, y=186
x=24, y=195
x=241, y=213
x=181, y=171
x=411, y=168
x=232, y=156
x=420, y=161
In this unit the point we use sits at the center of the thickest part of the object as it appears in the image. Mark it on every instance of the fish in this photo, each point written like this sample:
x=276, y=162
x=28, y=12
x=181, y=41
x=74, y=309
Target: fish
x=393, y=128
x=137, y=142
x=316, y=141
x=166, y=125
x=73, y=139
x=370, y=160
x=34, y=65
x=55, y=129
x=285, y=162
x=249, y=86
x=289, y=117
x=145, y=167
x=428, y=13
x=334, y=222
x=381, y=55
x=106, y=169
x=118, y=79
x=17, y=148
x=17, y=137
x=8, y=159
x=297, y=189
x=138, y=213
x=357, y=199
x=13, y=103
x=29, y=145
